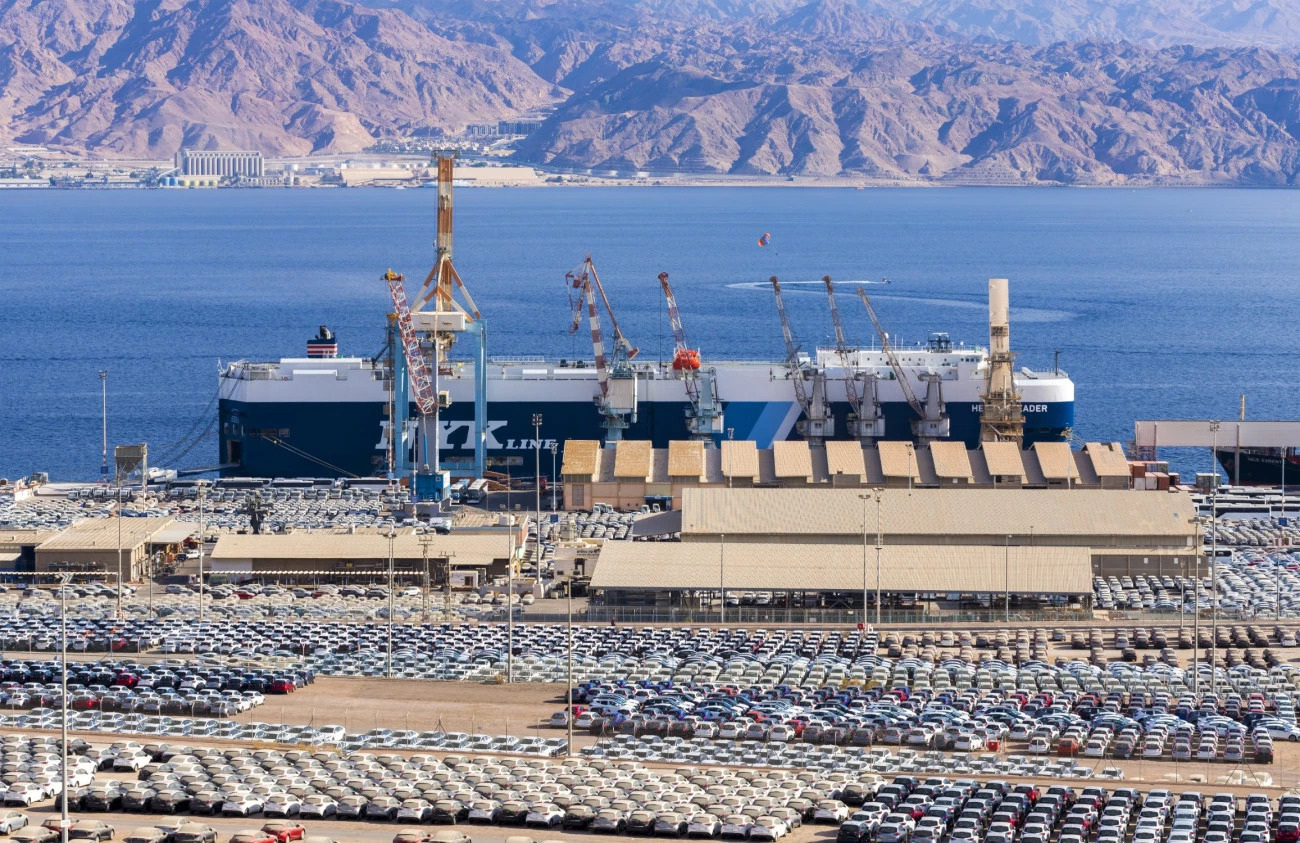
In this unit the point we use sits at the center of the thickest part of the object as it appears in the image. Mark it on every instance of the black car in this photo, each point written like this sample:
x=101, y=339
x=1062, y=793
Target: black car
x=851, y=832
x=578, y=817
x=206, y=802
x=137, y=800
x=169, y=802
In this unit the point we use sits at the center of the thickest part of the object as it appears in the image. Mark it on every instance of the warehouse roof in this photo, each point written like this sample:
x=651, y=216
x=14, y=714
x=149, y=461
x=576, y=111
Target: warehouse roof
x=821, y=567
x=469, y=549
x=941, y=511
x=1108, y=460
x=951, y=460
x=580, y=456
x=898, y=459
x=1004, y=459
x=632, y=459
x=102, y=534
x=792, y=459
x=845, y=458
x=685, y=458
x=739, y=458
x=25, y=538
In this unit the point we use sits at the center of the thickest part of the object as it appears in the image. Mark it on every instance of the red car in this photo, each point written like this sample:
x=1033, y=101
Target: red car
x=285, y=830
x=252, y=837
x=282, y=686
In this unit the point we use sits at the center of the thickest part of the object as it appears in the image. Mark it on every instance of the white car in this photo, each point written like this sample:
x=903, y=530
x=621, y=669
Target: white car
x=768, y=828
x=25, y=793
x=831, y=811
x=704, y=825
x=736, y=826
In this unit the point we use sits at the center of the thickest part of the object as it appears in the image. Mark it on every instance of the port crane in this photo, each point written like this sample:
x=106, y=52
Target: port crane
x=704, y=418
x=817, y=424
x=861, y=388
x=932, y=422
x=617, y=401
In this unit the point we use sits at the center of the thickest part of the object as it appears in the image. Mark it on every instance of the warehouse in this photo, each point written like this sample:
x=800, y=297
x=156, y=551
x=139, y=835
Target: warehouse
x=632, y=473
x=99, y=545
x=322, y=556
x=931, y=540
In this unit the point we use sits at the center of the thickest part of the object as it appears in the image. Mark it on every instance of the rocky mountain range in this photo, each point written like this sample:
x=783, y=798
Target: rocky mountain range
x=989, y=91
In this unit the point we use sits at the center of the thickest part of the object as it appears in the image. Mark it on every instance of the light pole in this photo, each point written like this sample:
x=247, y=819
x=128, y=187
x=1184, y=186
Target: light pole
x=555, y=478
x=203, y=486
x=1214, y=560
x=63, y=706
x=568, y=694
x=864, y=498
x=537, y=475
x=510, y=594
x=722, y=578
x=392, y=536
x=1198, y=551
x=103, y=388
x=119, y=548
x=1006, y=581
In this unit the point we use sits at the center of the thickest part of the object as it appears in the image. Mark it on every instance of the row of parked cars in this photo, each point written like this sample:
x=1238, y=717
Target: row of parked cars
x=965, y=811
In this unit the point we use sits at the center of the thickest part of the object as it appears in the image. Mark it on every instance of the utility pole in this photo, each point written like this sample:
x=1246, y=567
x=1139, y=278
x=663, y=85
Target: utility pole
x=103, y=388
x=880, y=545
x=722, y=578
x=510, y=594
x=119, y=548
x=424, y=554
x=568, y=696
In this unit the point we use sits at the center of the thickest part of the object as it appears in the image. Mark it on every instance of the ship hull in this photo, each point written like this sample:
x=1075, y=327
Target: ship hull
x=330, y=439
x=1258, y=469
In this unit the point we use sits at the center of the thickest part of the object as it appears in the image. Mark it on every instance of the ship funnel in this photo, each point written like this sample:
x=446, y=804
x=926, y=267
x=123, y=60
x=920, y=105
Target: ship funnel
x=1002, y=419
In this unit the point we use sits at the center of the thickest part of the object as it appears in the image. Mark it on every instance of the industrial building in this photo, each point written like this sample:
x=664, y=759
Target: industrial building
x=950, y=541
x=307, y=557
x=218, y=163
x=633, y=473
x=95, y=545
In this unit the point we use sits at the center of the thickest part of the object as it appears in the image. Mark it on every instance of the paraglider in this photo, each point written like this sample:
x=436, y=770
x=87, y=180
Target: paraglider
x=765, y=239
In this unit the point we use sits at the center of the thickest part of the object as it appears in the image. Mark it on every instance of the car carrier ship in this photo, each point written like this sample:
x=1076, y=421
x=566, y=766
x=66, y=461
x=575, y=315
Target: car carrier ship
x=328, y=416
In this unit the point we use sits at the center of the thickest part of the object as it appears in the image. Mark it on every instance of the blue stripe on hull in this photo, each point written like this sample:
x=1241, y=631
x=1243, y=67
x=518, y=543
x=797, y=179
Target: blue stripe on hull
x=334, y=439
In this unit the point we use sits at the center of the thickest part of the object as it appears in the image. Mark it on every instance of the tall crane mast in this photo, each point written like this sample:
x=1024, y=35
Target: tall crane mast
x=931, y=422
x=817, y=424
x=865, y=421
x=704, y=418
x=617, y=401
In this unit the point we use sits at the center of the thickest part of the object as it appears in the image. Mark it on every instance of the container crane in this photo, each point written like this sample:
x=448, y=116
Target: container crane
x=865, y=420
x=817, y=424
x=704, y=418
x=617, y=401
x=932, y=422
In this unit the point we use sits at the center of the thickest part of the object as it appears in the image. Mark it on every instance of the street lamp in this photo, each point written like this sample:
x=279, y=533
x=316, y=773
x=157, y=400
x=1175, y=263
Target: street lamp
x=203, y=486
x=555, y=478
x=103, y=386
x=510, y=594
x=119, y=547
x=866, y=497
x=537, y=475
x=64, y=822
x=1006, y=581
x=722, y=578
x=568, y=694
x=392, y=536
x=1214, y=560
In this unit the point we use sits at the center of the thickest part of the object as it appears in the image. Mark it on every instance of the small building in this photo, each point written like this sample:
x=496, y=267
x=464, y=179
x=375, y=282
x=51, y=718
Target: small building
x=95, y=546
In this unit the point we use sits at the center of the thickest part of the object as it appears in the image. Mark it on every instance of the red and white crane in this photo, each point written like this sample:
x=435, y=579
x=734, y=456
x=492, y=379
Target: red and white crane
x=704, y=418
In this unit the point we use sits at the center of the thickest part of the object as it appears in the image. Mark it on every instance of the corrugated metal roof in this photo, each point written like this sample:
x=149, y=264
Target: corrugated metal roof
x=176, y=533
x=792, y=459
x=1055, y=460
x=268, y=549
x=1108, y=460
x=13, y=539
x=102, y=533
x=951, y=460
x=942, y=511
x=580, y=456
x=845, y=458
x=822, y=567
x=685, y=459
x=739, y=458
x=898, y=459
x=632, y=459
x=1003, y=459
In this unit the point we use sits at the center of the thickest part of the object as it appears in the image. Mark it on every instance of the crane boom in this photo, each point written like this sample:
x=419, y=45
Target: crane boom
x=617, y=380
x=421, y=377
x=843, y=350
x=683, y=354
x=792, y=353
x=892, y=357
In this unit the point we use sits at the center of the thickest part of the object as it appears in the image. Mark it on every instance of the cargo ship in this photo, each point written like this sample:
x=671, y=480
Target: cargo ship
x=326, y=415
x=1261, y=466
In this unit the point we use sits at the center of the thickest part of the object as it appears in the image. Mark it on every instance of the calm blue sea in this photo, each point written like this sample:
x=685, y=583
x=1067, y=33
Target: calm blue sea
x=1163, y=303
